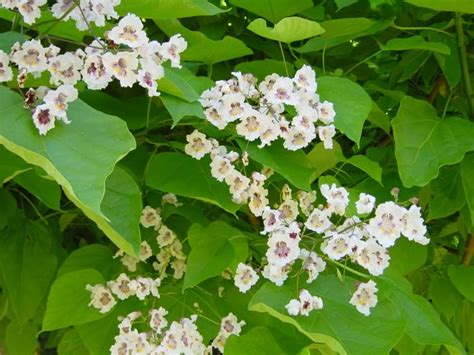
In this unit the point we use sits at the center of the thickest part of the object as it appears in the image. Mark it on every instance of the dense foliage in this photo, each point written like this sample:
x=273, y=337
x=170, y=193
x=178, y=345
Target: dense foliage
x=241, y=176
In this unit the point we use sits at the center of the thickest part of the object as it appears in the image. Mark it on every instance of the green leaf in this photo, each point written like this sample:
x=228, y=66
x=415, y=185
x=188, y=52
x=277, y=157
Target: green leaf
x=179, y=109
x=46, y=190
x=71, y=344
x=27, y=266
x=466, y=6
x=424, y=143
x=68, y=300
x=21, y=339
x=467, y=173
x=214, y=248
x=168, y=8
x=449, y=64
x=351, y=103
x=262, y=68
x=415, y=42
x=9, y=38
x=342, y=30
x=195, y=179
x=462, y=277
x=288, y=30
x=406, y=257
x=184, y=84
x=322, y=159
x=203, y=49
x=79, y=156
x=92, y=256
x=292, y=165
x=344, y=3
x=444, y=296
x=368, y=166
x=379, y=118
x=422, y=322
x=338, y=324
x=448, y=193
x=10, y=165
x=273, y=10
x=257, y=341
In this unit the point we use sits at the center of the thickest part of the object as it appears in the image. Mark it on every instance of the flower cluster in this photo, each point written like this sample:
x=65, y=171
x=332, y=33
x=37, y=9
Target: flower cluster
x=304, y=304
x=262, y=111
x=83, y=12
x=128, y=56
x=102, y=296
x=182, y=337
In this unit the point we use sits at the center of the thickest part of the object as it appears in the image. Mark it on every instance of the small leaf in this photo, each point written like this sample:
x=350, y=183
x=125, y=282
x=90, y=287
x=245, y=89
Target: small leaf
x=262, y=68
x=415, y=42
x=288, y=30
x=466, y=6
x=424, y=143
x=273, y=10
x=47, y=191
x=179, y=109
x=462, y=277
x=168, y=8
x=11, y=165
x=195, y=179
x=184, y=84
x=257, y=341
x=68, y=300
x=351, y=103
x=368, y=166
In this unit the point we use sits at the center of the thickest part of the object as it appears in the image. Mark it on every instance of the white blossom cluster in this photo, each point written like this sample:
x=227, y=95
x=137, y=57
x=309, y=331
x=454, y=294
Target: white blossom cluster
x=182, y=337
x=304, y=304
x=102, y=296
x=132, y=58
x=83, y=12
x=261, y=111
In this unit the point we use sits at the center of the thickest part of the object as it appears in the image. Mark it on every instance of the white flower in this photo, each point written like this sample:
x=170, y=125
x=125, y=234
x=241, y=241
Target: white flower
x=413, y=226
x=298, y=138
x=57, y=101
x=365, y=204
x=172, y=49
x=129, y=31
x=258, y=200
x=288, y=210
x=129, y=262
x=337, y=246
x=312, y=263
x=214, y=115
x=365, y=297
x=145, y=251
x=6, y=73
x=293, y=307
x=43, y=119
x=387, y=224
x=318, y=221
x=326, y=133
x=306, y=200
x=309, y=302
x=336, y=197
x=150, y=218
x=234, y=107
x=305, y=78
x=245, y=277
x=221, y=167
x=237, y=182
x=271, y=220
x=179, y=267
x=123, y=66
x=165, y=236
x=65, y=68
x=275, y=273
x=61, y=7
x=250, y=126
x=373, y=257
x=146, y=80
x=282, y=249
x=101, y=298
x=282, y=92
x=198, y=145
x=31, y=56
x=94, y=73
x=123, y=287
x=158, y=320
x=231, y=325
x=30, y=9
x=326, y=112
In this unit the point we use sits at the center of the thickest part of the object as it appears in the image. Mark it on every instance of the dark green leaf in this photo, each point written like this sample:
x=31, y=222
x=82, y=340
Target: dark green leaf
x=273, y=10
x=288, y=30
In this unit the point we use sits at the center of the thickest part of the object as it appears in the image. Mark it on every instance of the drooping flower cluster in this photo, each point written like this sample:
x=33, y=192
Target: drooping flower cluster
x=129, y=57
x=304, y=304
x=181, y=337
x=261, y=112
x=102, y=296
x=83, y=12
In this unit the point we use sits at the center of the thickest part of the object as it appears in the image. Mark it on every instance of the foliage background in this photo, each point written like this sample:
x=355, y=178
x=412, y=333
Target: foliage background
x=398, y=74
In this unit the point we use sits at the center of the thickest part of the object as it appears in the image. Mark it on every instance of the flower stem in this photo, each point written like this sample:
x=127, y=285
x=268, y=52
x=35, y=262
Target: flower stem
x=284, y=59
x=351, y=270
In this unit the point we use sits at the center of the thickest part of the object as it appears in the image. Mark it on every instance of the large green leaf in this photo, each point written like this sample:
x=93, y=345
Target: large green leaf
x=203, y=49
x=27, y=266
x=20, y=339
x=194, y=181
x=92, y=256
x=46, y=190
x=351, y=103
x=467, y=174
x=338, y=324
x=292, y=165
x=406, y=257
x=342, y=30
x=462, y=277
x=178, y=108
x=288, y=30
x=257, y=341
x=184, y=84
x=10, y=165
x=68, y=300
x=79, y=156
x=444, y=5
x=448, y=193
x=8, y=39
x=71, y=344
x=424, y=142
x=168, y=8
x=273, y=10
x=262, y=68
x=415, y=42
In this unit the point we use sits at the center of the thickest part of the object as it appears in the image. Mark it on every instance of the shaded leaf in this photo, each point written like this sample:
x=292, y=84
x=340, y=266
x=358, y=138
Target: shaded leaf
x=466, y=6
x=462, y=277
x=273, y=10
x=448, y=193
x=179, y=109
x=47, y=191
x=257, y=341
x=288, y=30
x=467, y=174
x=168, y=8
x=415, y=42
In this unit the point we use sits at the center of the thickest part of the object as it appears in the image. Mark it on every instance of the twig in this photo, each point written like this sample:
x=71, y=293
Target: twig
x=469, y=252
